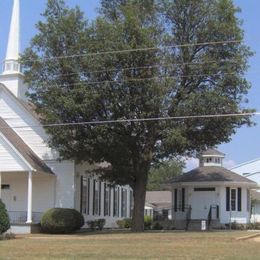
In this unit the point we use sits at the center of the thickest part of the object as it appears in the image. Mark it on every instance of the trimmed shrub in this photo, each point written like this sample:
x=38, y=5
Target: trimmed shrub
x=124, y=223
x=147, y=222
x=127, y=223
x=97, y=224
x=61, y=221
x=120, y=223
x=7, y=236
x=4, y=218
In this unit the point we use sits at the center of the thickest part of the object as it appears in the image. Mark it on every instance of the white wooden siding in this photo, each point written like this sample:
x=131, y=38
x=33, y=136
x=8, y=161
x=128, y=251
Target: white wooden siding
x=16, y=116
x=9, y=159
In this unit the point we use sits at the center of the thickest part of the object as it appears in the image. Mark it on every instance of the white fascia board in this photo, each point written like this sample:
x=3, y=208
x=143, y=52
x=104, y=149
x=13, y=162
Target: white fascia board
x=30, y=168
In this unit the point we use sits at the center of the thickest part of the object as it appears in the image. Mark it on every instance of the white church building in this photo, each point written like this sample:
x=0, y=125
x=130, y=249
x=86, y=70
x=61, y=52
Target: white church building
x=32, y=179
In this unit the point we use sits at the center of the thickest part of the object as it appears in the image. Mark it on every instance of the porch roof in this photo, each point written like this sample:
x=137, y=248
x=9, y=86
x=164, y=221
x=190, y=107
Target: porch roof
x=25, y=151
x=211, y=174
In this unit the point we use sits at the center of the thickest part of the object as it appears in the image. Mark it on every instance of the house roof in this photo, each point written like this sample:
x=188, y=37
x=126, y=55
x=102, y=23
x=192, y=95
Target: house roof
x=27, y=153
x=211, y=174
x=160, y=199
x=212, y=151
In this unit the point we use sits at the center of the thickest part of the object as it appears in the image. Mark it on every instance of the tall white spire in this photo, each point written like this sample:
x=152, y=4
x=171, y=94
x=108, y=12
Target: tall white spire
x=11, y=64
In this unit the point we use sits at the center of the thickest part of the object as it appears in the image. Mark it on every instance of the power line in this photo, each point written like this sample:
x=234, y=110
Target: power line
x=134, y=50
x=165, y=65
x=136, y=120
x=140, y=79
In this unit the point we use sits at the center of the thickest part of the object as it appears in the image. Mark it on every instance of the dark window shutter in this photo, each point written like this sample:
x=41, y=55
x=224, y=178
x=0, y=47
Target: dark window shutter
x=81, y=192
x=175, y=200
x=183, y=199
x=88, y=196
x=239, y=201
x=227, y=199
x=94, y=196
x=99, y=198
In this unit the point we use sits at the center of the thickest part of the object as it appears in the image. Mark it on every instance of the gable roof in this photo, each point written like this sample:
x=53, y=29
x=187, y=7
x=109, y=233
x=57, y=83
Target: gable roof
x=212, y=174
x=245, y=163
x=27, y=153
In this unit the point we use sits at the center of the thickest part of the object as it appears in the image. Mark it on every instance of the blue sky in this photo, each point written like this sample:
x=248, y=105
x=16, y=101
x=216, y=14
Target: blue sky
x=245, y=144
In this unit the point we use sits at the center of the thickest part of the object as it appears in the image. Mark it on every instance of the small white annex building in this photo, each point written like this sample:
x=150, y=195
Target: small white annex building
x=32, y=179
x=251, y=170
x=211, y=193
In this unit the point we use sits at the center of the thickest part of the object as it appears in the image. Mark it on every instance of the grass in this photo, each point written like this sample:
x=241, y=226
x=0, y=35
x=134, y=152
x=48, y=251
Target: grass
x=170, y=245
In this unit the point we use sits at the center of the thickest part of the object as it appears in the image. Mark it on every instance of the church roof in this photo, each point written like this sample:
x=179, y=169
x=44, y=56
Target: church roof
x=211, y=174
x=28, y=106
x=212, y=151
x=27, y=153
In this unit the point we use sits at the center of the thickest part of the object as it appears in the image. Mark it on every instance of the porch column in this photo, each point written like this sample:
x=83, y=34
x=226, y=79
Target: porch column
x=29, y=200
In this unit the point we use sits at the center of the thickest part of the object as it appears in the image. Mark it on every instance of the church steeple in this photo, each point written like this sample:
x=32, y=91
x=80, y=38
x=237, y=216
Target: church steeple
x=11, y=64
x=12, y=77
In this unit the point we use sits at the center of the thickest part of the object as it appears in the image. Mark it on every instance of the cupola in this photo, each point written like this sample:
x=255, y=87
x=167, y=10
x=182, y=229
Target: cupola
x=211, y=157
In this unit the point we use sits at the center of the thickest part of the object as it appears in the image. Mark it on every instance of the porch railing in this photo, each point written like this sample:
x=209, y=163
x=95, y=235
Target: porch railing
x=20, y=217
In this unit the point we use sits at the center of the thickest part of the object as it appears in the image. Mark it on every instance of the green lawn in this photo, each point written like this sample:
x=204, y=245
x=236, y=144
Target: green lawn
x=173, y=245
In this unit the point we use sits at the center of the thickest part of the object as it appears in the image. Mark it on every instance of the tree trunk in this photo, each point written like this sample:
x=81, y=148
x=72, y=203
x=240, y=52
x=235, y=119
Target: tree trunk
x=139, y=201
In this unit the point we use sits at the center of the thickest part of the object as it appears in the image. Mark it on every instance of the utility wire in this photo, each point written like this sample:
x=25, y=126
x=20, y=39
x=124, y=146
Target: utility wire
x=135, y=120
x=139, y=79
x=134, y=50
x=165, y=65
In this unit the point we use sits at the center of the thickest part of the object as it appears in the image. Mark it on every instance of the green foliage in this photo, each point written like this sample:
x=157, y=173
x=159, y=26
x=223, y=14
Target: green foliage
x=163, y=173
x=97, y=224
x=4, y=218
x=148, y=220
x=124, y=223
x=61, y=221
x=183, y=80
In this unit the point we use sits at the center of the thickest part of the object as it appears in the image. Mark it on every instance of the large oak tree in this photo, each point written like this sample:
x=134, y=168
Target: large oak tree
x=77, y=73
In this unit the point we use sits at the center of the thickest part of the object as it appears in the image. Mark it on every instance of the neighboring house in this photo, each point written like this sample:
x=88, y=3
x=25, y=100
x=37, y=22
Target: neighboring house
x=251, y=170
x=211, y=193
x=158, y=205
x=32, y=179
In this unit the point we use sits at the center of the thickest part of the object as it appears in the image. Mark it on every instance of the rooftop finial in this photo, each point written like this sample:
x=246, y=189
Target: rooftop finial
x=11, y=64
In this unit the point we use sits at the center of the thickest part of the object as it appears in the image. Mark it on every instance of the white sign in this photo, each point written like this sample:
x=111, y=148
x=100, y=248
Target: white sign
x=203, y=225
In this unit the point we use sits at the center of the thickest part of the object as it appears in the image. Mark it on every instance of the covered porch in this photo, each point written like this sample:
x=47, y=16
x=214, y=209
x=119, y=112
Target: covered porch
x=26, y=195
x=27, y=184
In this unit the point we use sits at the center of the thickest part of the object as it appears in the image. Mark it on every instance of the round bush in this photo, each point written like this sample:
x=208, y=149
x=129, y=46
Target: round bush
x=61, y=221
x=4, y=218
